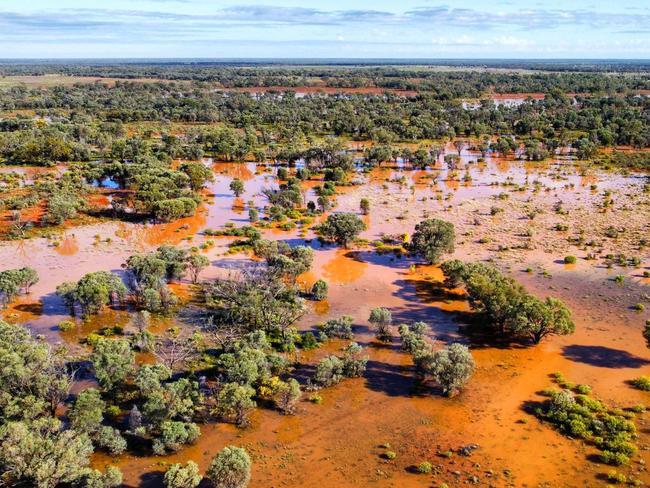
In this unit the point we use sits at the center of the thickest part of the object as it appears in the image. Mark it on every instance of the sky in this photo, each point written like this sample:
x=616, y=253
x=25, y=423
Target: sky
x=324, y=29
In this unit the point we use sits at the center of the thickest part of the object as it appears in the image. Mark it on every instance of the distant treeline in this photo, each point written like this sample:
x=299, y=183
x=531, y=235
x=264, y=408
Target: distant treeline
x=445, y=84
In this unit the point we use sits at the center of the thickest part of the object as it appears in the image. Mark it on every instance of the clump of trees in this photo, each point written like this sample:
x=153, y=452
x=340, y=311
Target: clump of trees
x=284, y=261
x=339, y=327
x=150, y=273
x=16, y=281
x=342, y=228
x=92, y=292
x=332, y=369
x=432, y=238
x=251, y=301
x=505, y=306
x=162, y=410
x=450, y=367
x=36, y=448
x=250, y=369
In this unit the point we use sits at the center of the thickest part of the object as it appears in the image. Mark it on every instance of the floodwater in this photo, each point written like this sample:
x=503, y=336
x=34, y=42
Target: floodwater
x=337, y=443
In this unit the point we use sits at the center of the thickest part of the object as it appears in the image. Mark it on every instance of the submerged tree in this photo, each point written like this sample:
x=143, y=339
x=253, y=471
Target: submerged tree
x=381, y=318
x=255, y=300
x=432, y=238
x=93, y=291
x=197, y=263
x=342, y=228
x=450, y=367
x=237, y=187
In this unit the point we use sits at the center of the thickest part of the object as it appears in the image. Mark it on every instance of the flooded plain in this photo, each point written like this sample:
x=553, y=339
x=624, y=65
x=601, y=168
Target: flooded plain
x=337, y=442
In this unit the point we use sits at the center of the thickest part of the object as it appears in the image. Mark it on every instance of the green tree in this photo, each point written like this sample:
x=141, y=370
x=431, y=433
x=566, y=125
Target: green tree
x=254, y=301
x=112, y=361
x=319, y=290
x=236, y=401
x=171, y=209
x=93, y=291
x=33, y=377
x=13, y=281
x=86, y=414
x=26, y=278
x=538, y=319
x=230, y=468
x=197, y=263
x=354, y=364
x=450, y=367
x=42, y=454
x=111, y=440
x=432, y=238
x=342, y=228
x=287, y=395
x=364, y=206
x=237, y=187
x=381, y=318
x=198, y=173
x=174, y=434
x=340, y=327
x=62, y=206
x=112, y=478
x=329, y=371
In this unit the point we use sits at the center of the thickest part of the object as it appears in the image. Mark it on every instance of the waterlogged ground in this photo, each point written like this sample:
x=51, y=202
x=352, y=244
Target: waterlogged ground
x=337, y=443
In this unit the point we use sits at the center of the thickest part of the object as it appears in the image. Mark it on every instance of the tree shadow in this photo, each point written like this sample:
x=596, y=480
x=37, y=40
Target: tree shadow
x=603, y=357
x=31, y=308
x=152, y=479
x=52, y=304
x=392, y=379
x=389, y=260
x=237, y=264
x=443, y=325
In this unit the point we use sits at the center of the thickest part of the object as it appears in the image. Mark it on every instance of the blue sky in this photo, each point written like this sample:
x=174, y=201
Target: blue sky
x=333, y=28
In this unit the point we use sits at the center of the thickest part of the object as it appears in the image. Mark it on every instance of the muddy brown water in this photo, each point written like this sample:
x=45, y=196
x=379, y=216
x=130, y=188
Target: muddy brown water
x=337, y=443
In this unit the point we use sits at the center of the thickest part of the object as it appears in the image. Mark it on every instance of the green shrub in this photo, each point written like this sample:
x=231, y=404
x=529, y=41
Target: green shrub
x=641, y=383
x=425, y=467
x=583, y=417
x=616, y=477
x=319, y=290
x=569, y=259
x=66, y=325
